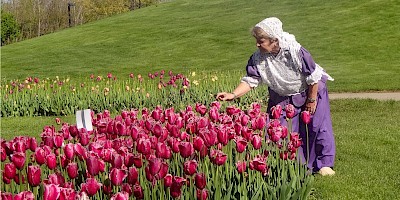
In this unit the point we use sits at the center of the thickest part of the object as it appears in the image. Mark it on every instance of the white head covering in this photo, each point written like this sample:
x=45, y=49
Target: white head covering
x=273, y=27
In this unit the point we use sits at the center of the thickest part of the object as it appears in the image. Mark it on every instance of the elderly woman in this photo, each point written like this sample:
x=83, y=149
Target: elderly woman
x=294, y=78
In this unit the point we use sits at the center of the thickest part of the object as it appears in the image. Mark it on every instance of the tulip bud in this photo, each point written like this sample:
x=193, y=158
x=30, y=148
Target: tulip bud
x=306, y=117
x=200, y=181
x=72, y=170
x=290, y=111
x=18, y=159
x=34, y=175
x=9, y=170
x=51, y=161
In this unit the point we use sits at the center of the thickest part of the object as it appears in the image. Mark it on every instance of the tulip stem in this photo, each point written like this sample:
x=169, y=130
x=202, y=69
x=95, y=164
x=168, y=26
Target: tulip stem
x=308, y=148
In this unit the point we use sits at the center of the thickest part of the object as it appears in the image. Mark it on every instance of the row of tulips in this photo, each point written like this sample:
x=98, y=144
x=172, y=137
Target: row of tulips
x=198, y=152
x=54, y=97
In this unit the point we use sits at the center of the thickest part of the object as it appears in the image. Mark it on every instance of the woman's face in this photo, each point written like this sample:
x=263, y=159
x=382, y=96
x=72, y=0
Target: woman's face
x=267, y=45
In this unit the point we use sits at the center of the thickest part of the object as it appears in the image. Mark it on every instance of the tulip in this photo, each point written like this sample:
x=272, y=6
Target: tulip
x=72, y=170
x=218, y=157
x=132, y=175
x=58, y=140
x=241, y=144
x=190, y=167
x=3, y=154
x=176, y=186
x=51, y=161
x=168, y=180
x=19, y=146
x=241, y=166
x=69, y=151
x=34, y=175
x=290, y=111
x=19, y=178
x=186, y=149
x=256, y=141
x=18, y=159
x=51, y=192
x=40, y=156
x=6, y=196
x=83, y=137
x=259, y=163
x=9, y=170
x=80, y=151
x=214, y=114
x=156, y=169
x=143, y=146
x=56, y=178
x=138, y=191
x=117, y=176
x=127, y=188
x=202, y=109
x=24, y=195
x=306, y=117
x=276, y=111
x=33, y=144
x=202, y=194
x=163, y=151
x=92, y=164
x=120, y=196
x=222, y=136
x=92, y=186
x=67, y=194
x=198, y=143
x=73, y=130
x=200, y=180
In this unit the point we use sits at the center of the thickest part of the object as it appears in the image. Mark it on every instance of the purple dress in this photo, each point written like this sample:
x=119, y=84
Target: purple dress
x=321, y=140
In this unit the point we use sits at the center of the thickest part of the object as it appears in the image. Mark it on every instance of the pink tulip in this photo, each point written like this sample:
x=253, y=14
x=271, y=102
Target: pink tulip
x=24, y=195
x=58, y=140
x=214, y=114
x=51, y=161
x=40, y=156
x=69, y=151
x=83, y=136
x=202, y=109
x=120, y=196
x=190, y=167
x=93, y=165
x=18, y=159
x=67, y=194
x=143, y=146
x=163, y=151
x=202, y=194
x=186, y=149
x=218, y=157
x=19, y=180
x=56, y=179
x=19, y=146
x=72, y=170
x=256, y=141
x=241, y=144
x=176, y=186
x=34, y=175
x=156, y=169
x=132, y=175
x=222, y=136
x=9, y=170
x=80, y=151
x=276, y=111
x=117, y=176
x=241, y=166
x=138, y=191
x=92, y=186
x=6, y=196
x=198, y=143
x=73, y=130
x=290, y=111
x=51, y=192
x=259, y=163
x=306, y=117
x=168, y=180
x=259, y=122
x=200, y=180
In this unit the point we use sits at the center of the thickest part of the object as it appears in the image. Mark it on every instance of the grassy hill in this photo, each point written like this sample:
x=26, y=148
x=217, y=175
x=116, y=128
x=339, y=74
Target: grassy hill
x=357, y=42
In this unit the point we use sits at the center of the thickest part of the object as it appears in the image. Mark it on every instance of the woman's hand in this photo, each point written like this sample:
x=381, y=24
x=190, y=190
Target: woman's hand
x=311, y=107
x=225, y=96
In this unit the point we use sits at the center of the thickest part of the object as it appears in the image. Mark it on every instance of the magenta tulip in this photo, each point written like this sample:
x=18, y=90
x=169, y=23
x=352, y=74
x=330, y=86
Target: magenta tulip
x=9, y=170
x=33, y=144
x=67, y=194
x=120, y=196
x=241, y=144
x=202, y=109
x=186, y=149
x=200, y=180
x=3, y=154
x=34, y=175
x=156, y=169
x=18, y=159
x=6, y=196
x=190, y=167
x=276, y=111
x=51, y=161
x=133, y=175
x=241, y=166
x=256, y=141
x=117, y=176
x=72, y=170
x=69, y=151
x=259, y=163
x=51, y=192
x=168, y=180
x=58, y=140
x=40, y=156
x=306, y=117
x=143, y=146
x=290, y=111
x=138, y=191
x=24, y=195
x=201, y=194
x=93, y=165
x=218, y=157
x=92, y=186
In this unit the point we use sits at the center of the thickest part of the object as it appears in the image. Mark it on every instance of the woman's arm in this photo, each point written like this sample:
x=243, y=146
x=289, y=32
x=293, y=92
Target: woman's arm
x=311, y=103
x=240, y=90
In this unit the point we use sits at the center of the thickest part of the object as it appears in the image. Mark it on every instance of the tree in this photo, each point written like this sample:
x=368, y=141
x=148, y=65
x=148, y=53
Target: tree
x=10, y=30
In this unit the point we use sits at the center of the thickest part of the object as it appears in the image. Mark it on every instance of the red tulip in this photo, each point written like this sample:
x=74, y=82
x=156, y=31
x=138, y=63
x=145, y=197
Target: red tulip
x=259, y=163
x=9, y=170
x=92, y=186
x=138, y=191
x=190, y=167
x=51, y=192
x=69, y=151
x=72, y=170
x=117, y=176
x=241, y=166
x=34, y=175
x=256, y=141
x=120, y=196
x=40, y=156
x=18, y=159
x=198, y=143
x=202, y=194
x=276, y=111
x=306, y=117
x=67, y=194
x=290, y=111
x=51, y=161
x=200, y=180
x=241, y=144
x=186, y=149
x=73, y=130
x=177, y=184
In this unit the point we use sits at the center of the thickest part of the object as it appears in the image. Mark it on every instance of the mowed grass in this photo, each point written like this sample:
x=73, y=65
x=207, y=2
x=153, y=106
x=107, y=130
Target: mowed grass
x=355, y=41
x=366, y=133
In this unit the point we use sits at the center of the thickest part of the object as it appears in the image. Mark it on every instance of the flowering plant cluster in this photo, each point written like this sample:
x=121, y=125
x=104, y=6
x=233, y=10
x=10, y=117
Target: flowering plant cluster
x=198, y=152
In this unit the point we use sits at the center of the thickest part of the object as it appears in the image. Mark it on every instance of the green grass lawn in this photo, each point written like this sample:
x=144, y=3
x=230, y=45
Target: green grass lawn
x=355, y=41
x=366, y=134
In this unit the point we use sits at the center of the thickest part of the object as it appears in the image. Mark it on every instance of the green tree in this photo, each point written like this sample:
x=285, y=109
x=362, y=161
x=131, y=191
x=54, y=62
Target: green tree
x=10, y=30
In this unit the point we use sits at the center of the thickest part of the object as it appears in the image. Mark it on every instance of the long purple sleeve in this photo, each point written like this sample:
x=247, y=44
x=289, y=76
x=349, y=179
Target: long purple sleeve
x=308, y=64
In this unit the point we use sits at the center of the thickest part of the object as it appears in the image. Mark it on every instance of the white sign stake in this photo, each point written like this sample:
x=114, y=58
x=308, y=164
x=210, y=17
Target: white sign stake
x=84, y=119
